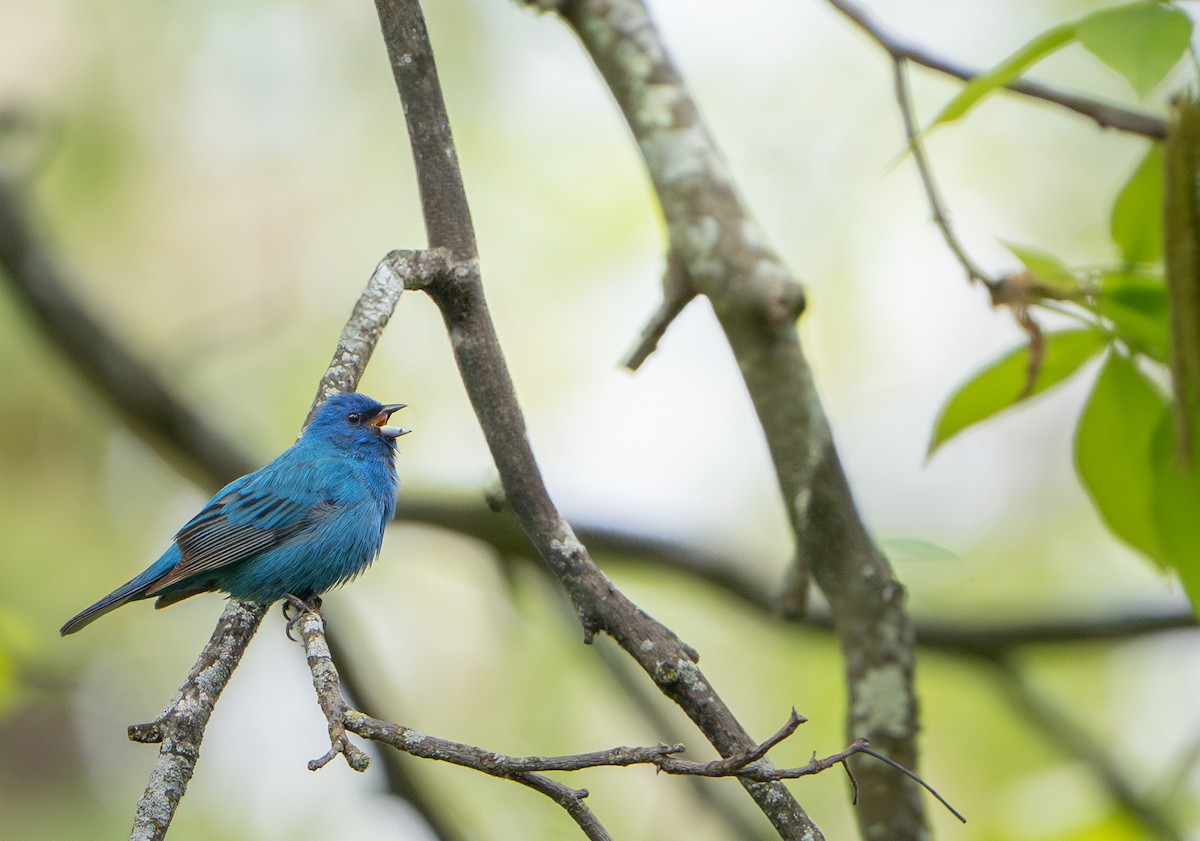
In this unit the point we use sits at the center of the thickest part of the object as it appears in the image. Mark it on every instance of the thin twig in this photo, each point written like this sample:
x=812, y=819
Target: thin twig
x=528, y=770
x=1103, y=114
x=917, y=146
x=677, y=294
x=341, y=718
x=1017, y=291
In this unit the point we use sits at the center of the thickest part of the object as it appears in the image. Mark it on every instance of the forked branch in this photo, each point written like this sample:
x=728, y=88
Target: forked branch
x=530, y=770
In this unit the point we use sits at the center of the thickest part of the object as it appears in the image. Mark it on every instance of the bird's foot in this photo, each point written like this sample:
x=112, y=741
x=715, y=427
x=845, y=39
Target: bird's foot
x=301, y=607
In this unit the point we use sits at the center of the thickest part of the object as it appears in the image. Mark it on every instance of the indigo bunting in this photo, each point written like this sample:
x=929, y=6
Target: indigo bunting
x=310, y=520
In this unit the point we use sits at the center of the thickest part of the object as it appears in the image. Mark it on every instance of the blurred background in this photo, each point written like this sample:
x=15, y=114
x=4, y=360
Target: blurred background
x=220, y=179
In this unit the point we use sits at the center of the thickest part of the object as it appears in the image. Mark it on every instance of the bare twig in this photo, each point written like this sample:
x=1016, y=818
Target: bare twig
x=460, y=298
x=524, y=770
x=1017, y=291
x=917, y=146
x=677, y=294
x=399, y=770
x=528, y=770
x=1103, y=114
x=757, y=302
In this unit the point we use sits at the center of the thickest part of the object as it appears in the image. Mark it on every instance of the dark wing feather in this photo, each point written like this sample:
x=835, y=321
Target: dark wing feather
x=240, y=525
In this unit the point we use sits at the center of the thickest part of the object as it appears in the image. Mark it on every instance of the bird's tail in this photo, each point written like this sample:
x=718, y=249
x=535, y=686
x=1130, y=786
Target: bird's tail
x=128, y=592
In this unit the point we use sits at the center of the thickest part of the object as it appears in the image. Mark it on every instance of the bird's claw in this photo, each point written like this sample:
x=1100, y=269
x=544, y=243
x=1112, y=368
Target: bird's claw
x=301, y=607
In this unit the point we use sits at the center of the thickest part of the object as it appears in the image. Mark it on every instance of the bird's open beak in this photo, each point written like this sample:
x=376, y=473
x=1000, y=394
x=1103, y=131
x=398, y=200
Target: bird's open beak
x=381, y=421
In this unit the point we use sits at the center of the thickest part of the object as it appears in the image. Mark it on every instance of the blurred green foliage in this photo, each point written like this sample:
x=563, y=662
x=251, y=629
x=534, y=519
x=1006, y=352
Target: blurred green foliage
x=220, y=178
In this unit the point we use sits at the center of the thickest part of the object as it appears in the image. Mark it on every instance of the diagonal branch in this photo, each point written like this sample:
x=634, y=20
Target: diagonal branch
x=917, y=147
x=460, y=298
x=757, y=301
x=180, y=729
x=1103, y=114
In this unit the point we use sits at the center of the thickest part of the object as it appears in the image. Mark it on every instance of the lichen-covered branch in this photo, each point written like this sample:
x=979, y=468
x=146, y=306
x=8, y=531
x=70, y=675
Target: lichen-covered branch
x=724, y=257
x=180, y=729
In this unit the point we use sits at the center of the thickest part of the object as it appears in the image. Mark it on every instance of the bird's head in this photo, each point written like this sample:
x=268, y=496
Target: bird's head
x=355, y=418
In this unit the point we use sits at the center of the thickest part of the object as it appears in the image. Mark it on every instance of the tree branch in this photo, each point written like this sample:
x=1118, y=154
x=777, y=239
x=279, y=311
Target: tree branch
x=1103, y=114
x=729, y=574
x=180, y=728
x=460, y=298
x=917, y=147
x=529, y=770
x=722, y=254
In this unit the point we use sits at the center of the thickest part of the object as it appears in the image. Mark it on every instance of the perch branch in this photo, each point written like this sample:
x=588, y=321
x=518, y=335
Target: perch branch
x=528, y=770
x=180, y=728
x=757, y=301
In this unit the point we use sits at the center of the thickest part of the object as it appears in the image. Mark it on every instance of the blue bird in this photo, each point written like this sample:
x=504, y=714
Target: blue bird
x=310, y=520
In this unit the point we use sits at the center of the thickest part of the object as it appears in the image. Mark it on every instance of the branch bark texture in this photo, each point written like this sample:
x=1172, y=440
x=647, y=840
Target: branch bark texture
x=530, y=770
x=459, y=296
x=180, y=728
x=721, y=253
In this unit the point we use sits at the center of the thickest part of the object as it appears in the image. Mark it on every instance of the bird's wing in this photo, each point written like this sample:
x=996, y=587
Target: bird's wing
x=246, y=521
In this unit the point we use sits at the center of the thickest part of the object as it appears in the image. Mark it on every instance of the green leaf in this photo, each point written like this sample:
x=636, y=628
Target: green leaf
x=1141, y=41
x=1113, y=451
x=1135, y=304
x=1138, y=210
x=1002, y=383
x=1044, y=266
x=1005, y=72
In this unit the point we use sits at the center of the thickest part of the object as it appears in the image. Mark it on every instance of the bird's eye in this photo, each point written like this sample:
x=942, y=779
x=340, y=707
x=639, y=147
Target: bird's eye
x=354, y=417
